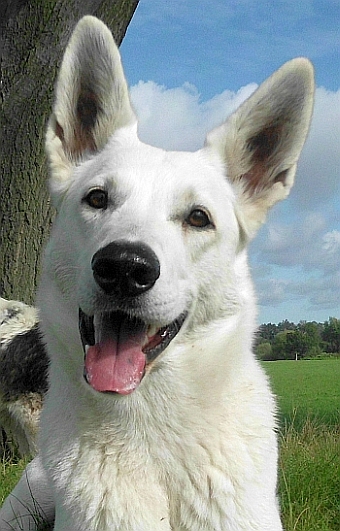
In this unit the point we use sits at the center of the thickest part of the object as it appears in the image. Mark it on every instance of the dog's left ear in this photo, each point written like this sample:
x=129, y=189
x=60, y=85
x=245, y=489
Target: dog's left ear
x=261, y=142
x=91, y=98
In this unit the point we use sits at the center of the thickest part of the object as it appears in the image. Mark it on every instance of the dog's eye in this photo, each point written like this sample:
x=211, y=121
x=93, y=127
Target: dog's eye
x=97, y=198
x=199, y=219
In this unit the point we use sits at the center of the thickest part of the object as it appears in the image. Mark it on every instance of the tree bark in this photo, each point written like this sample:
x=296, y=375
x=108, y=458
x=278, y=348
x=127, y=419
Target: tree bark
x=33, y=37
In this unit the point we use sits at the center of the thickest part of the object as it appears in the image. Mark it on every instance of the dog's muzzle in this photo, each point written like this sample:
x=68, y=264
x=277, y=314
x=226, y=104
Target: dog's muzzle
x=118, y=345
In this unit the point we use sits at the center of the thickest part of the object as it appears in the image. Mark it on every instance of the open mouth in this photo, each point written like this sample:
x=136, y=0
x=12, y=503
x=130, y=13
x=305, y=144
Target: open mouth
x=119, y=347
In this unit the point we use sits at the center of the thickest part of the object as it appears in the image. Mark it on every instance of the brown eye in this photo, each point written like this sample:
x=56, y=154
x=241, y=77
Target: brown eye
x=199, y=219
x=97, y=198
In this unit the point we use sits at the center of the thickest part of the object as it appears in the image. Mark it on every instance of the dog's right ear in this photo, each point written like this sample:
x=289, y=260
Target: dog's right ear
x=91, y=98
x=260, y=143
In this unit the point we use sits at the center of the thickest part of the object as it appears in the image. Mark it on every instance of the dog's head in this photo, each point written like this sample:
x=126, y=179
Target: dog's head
x=149, y=244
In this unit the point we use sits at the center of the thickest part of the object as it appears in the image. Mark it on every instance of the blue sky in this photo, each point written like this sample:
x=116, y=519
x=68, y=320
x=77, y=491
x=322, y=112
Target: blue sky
x=191, y=63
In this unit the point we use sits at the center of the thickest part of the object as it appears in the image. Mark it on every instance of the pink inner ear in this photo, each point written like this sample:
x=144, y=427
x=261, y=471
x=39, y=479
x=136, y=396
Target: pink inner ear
x=86, y=114
x=82, y=134
x=87, y=110
x=263, y=146
x=264, y=143
x=255, y=181
x=253, y=178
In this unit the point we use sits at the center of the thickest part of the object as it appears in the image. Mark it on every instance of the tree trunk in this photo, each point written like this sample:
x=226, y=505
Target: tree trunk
x=33, y=37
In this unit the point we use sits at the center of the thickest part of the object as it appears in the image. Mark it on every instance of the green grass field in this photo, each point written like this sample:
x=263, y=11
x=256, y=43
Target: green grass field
x=309, y=477
x=306, y=389
x=308, y=394
x=309, y=473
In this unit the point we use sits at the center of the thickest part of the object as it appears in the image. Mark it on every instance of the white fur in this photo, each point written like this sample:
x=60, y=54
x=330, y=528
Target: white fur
x=193, y=448
x=15, y=318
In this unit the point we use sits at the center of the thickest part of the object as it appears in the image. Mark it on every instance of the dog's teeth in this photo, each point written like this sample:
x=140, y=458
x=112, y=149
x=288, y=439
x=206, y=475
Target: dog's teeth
x=145, y=340
x=97, y=321
x=152, y=330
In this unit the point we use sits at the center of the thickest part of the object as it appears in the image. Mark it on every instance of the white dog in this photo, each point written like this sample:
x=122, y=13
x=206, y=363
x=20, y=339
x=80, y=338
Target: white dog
x=158, y=416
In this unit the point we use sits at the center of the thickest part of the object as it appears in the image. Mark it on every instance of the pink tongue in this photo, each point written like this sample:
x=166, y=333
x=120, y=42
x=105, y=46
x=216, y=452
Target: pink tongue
x=116, y=366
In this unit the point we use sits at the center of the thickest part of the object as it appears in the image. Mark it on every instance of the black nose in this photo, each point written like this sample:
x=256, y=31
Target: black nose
x=125, y=269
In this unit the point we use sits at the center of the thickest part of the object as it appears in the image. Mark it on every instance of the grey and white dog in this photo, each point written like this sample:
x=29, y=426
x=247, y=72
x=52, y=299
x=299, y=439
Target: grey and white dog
x=23, y=374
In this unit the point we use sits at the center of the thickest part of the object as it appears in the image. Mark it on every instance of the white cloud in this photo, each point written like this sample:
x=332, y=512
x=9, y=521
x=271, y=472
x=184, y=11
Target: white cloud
x=305, y=243
x=302, y=263
x=318, y=177
x=332, y=242
x=314, y=293
x=176, y=118
x=272, y=291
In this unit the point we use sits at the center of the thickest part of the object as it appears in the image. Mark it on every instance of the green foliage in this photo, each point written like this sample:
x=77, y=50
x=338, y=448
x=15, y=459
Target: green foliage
x=304, y=340
x=283, y=346
x=331, y=334
x=264, y=351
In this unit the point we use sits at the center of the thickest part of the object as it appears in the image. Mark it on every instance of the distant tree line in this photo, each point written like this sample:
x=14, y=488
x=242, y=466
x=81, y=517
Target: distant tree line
x=290, y=341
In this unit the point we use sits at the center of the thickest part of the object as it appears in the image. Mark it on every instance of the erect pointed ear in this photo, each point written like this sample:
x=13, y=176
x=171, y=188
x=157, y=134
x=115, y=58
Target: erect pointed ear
x=261, y=142
x=91, y=97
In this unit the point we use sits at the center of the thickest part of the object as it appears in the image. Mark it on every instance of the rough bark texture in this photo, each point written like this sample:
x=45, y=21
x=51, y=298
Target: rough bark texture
x=33, y=36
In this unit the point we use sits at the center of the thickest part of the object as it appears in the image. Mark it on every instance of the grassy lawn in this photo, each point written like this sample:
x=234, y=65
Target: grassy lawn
x=308, y=394
x=309, y=475
x=10, y=472
x=306, y=389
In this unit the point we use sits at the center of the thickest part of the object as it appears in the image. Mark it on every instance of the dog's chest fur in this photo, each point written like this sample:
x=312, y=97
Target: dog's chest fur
x=157, y=468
